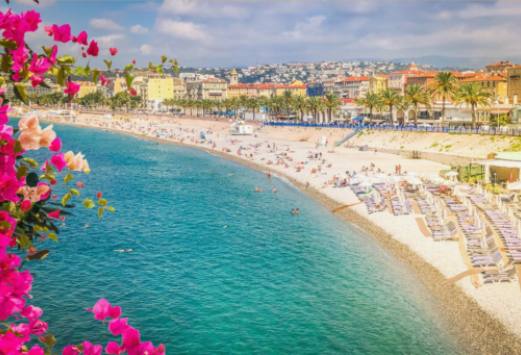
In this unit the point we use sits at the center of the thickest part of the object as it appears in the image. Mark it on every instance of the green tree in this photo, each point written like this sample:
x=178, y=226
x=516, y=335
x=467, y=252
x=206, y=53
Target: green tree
x=446, y=84
x=474, y=96
x=331, y=103
x=300, y=105
x=416, y=95
x=371, y=102
x=390, y=99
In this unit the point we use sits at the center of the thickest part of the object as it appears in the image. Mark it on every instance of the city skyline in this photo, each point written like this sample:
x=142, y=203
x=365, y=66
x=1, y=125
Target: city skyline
x=205, y=33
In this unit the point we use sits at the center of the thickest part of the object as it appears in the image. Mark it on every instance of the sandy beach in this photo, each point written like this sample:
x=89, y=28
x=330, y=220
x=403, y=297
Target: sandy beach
x=485, y=316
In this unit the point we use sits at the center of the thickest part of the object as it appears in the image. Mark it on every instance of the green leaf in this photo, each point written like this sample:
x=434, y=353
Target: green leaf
x=95, y=75
x=88, y=203
x=66, y=198
x=32, y=163
x=111, y=209
x=128, y=67
x=74, y=191
x=129, y=79
x=24, y=241
x=66, y=60
x=7, y=44
x=108, y=63
x=100, y=212
x=21, y=171
x=102, y=202
x=53, y=236
x=163, y=59
x=48, y=339
x=21, y=93
x=68, y=178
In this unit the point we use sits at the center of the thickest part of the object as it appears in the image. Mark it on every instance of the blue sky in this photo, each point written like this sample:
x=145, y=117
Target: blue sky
x=245, y=32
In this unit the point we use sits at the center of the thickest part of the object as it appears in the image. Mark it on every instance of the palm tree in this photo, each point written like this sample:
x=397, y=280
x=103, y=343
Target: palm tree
x=371, y=101
x=331, y=103
x=299, y=104
x=416, y=96
x=253, y=104
x=473, y=95
x=314, y=105
x=402, y=105
x=446, y=84
x=390, y=98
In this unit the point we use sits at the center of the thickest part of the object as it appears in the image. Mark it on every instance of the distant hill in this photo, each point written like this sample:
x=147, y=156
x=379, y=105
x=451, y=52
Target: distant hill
x=446, y=62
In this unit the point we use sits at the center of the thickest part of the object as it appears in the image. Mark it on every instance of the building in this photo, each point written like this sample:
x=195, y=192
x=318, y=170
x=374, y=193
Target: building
x=398, y=79
x=86, y=87
x=297, y=88
x=351, y=87
x=234, y=77
x=378, y=83
x=159, y=88
x=179, y=88
x=207, y=89
x=495, y=84
x=513, y=76
x=499, y=67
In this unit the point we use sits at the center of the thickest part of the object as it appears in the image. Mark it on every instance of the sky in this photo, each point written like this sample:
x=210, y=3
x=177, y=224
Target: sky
x=229, y=33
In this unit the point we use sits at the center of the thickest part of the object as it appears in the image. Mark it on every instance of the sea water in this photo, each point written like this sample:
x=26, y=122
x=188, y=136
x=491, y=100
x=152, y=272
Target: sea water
x=201, y=262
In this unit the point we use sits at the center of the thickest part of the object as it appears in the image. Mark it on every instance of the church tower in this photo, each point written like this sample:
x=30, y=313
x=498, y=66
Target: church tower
x=234, y=77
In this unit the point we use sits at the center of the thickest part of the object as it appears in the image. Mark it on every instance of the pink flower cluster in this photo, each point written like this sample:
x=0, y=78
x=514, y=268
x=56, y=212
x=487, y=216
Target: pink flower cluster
x=21, y=326
x=131, y=342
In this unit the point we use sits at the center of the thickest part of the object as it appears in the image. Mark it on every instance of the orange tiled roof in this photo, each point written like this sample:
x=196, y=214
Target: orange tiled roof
x=349, y=79
x=485, y=77
x=266, y=86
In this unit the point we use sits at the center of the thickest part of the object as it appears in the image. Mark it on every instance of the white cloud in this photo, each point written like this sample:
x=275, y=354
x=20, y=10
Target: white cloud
x=501, y=8
x=311, y=26
x=205, y=8
x=145, y=49
x=182, y=29
x=138, y=29
x=110, y=40
x=105, y=24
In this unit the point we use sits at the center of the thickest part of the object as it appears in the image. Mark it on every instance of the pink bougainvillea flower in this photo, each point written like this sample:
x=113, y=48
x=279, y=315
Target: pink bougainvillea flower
x=91, y=349
x=72, y=88
x=8, y=223
x=35, y=194
x=81, y=38
x=93, y=49
x=26, y=206
x=131, y=338
x=103, y=80
x=30, y=122
x=118, y=325
x=58, y=161
x=36, y=350
x=56, y=145
x=60, y=33
x=39, y=65
x=9, y=185
x=80, y=184
x=103, y=309
x=70, y=350
x=54, y=214
x=32, y=313
x=132, y=92
x=113, y=348
x=36, y=80
x=54, y=53
x=113, y=51
x=3, y=114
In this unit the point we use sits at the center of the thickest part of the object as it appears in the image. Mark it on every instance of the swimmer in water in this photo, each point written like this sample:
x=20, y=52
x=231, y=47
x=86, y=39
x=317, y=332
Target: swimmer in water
x=274, y=190
x=258, y=189
x=295, y=211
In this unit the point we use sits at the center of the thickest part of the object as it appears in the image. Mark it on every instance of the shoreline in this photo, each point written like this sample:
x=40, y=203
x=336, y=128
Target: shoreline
x=475, y=329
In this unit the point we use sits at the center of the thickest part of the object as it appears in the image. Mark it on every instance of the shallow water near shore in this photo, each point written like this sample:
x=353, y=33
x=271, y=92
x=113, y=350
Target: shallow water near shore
x=216, y=268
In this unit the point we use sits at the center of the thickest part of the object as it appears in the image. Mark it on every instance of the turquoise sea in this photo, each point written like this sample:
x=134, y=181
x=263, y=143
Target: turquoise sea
x=216, y=268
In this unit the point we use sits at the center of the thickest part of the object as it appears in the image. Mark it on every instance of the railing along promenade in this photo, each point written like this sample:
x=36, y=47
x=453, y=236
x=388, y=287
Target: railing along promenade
x=492, y=131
